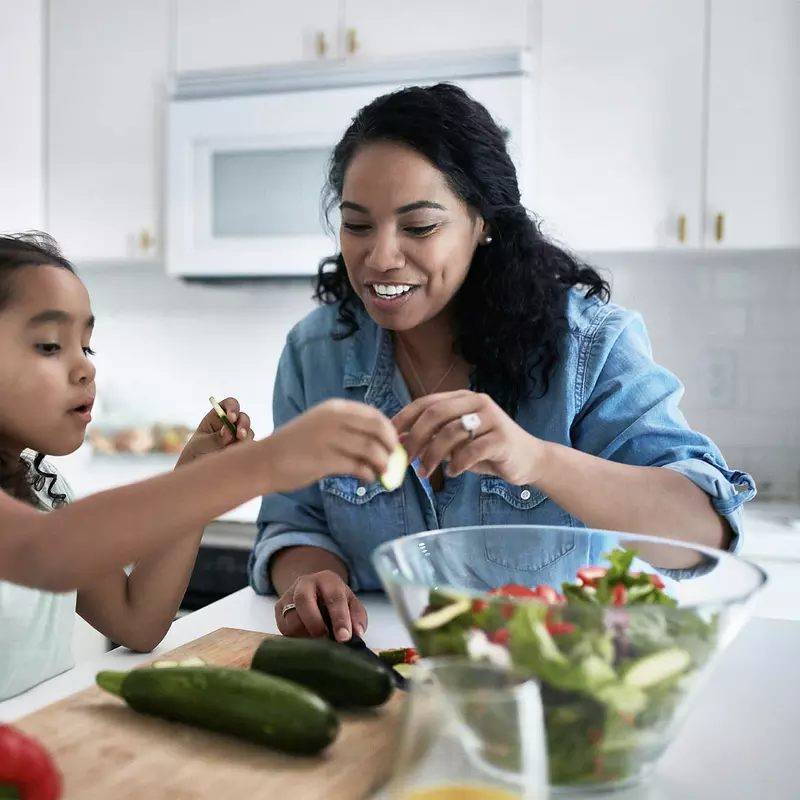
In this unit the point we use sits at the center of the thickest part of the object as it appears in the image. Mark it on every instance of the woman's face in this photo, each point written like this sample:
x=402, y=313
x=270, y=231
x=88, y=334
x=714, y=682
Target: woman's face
x=406, y=239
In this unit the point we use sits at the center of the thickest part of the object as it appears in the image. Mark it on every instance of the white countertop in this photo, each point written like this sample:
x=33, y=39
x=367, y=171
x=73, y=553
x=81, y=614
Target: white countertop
x=740, y=740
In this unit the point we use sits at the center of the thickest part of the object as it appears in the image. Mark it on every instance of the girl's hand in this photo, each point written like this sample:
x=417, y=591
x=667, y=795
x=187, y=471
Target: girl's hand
x=213, y=434
x=303, y=618
x=470, y=432
x=337, y=437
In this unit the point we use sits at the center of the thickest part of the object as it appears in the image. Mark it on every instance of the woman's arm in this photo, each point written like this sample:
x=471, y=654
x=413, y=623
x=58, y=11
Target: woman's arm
x=634, y=464
x=619, y=497
x=291, y=563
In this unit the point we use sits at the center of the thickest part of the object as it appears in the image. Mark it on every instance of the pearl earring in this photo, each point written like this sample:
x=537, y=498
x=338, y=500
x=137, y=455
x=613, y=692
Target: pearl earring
x=487, y=239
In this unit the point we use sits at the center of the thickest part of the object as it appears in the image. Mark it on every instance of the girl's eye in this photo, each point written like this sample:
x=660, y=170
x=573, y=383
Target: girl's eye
x=421, y=230
x=355, y=227
x=88, y=351
x=48, y=348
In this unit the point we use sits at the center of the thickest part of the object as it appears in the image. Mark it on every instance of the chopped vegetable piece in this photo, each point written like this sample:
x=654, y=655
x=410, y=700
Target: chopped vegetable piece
x=444, y=615
x=395, y=470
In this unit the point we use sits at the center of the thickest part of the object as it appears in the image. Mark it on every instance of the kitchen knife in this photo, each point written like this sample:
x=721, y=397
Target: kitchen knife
x=359, y=645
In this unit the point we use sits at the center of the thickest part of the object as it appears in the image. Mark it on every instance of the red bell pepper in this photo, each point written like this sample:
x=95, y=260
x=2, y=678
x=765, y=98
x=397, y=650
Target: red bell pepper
x=500, y=636
x=619, y=595
x=560, y=628
x=588, y=576
x=512, y=590
x=549, y=595
x=654, y=579
x=478, y=606
x=27, y=766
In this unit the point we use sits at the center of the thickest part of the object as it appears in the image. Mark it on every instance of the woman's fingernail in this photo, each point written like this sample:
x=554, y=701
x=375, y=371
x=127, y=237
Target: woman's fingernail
x=222, y=432
x=343, y=635
x=241, y=433
x=360, y=630
x=232, y=416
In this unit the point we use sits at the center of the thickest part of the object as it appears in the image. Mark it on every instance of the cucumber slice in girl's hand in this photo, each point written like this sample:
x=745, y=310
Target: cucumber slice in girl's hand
x=396, y=469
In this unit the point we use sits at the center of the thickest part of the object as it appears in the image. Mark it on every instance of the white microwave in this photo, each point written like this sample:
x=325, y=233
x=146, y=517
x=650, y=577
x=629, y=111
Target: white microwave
x=247, y=154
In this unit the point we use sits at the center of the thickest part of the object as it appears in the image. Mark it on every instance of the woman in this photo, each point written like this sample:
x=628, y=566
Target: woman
x=521, y=393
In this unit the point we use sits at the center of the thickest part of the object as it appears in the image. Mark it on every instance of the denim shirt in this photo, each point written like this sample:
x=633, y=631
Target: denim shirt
x=607, y=397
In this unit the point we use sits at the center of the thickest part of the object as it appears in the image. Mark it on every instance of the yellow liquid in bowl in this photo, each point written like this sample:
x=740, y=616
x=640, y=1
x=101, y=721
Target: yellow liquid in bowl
x=461, y=793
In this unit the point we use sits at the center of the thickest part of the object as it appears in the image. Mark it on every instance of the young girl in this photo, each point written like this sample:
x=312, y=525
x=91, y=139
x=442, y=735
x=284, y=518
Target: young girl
x=51, y=563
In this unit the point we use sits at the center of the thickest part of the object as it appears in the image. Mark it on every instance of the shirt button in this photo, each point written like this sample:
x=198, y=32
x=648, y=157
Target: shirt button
x=525, y=494
x=361, y=491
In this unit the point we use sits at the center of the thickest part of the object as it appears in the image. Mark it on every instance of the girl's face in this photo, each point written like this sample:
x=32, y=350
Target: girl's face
x=47, y=384
x=406, y=238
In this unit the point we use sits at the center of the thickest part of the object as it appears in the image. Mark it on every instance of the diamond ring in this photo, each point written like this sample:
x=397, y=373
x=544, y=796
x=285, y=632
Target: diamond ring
x=470, y=423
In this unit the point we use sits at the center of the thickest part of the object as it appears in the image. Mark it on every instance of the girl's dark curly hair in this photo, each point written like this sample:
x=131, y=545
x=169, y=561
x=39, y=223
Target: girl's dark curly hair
x=510, y=311
x=19, y=252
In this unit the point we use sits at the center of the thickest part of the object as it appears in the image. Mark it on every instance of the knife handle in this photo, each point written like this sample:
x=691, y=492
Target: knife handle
x=354, y=641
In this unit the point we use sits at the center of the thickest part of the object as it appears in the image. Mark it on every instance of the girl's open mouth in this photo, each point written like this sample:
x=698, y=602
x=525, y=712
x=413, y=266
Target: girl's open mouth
x=83, y=412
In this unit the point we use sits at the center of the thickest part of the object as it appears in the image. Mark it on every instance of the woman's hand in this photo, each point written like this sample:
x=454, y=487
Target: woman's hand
x=302, y=617
x=471, y=433
x=213, y=434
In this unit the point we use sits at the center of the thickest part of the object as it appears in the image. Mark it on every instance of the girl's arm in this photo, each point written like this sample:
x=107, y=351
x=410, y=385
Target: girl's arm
x=73, y=547
x=137, y=610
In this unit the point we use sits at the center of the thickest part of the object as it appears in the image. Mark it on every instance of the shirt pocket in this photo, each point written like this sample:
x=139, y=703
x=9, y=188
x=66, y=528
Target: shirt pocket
x=503, y=503
x=361, y=514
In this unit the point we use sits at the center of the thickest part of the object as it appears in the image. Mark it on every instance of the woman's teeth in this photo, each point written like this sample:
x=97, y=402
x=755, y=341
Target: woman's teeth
x=391, y=290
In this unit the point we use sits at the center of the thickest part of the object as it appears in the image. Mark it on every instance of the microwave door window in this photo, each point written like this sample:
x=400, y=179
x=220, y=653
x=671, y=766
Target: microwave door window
x=268, y=193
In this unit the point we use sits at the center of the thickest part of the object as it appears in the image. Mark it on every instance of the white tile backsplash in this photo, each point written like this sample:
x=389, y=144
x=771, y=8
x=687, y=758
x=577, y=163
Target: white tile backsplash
x=723, y=322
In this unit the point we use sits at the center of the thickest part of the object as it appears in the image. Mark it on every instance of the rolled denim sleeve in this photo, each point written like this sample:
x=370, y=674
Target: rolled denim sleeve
x=288, y=519
x=629, y=414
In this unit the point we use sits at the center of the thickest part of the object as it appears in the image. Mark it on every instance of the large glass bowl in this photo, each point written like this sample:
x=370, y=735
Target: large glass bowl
x=617, y=673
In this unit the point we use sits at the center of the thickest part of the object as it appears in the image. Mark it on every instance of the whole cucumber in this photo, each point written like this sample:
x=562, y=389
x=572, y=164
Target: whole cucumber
x=260, y=708
x=342, y=676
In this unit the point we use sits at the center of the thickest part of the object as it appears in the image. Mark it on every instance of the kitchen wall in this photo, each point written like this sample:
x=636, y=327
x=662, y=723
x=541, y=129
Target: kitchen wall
x=723, y=322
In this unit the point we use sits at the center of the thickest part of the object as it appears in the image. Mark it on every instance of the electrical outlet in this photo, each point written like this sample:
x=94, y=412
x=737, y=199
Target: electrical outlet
x=722, y=373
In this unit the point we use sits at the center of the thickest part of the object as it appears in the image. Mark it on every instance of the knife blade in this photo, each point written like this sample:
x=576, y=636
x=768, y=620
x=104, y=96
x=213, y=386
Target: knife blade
x=357, y=644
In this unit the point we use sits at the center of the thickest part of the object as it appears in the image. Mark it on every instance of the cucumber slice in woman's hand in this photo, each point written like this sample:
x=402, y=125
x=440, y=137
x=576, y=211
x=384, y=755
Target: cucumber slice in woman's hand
x=395, y=470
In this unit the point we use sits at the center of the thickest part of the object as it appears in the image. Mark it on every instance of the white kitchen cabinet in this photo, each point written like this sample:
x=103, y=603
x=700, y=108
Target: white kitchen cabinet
x=421, y=27
x=108, y=66
x=620, y=123
x=754, y=124
x=221, y=34
x=21, y=112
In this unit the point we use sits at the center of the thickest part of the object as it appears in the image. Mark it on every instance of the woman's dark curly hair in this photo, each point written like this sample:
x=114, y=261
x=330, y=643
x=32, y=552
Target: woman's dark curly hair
x=18, y=477
x=510, y=311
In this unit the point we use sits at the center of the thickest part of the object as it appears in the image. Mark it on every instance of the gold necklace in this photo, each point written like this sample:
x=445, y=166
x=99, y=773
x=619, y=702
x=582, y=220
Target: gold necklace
x=416, y=374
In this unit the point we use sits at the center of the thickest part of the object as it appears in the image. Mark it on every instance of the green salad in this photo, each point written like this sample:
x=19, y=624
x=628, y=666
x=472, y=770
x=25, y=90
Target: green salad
x=614, y=655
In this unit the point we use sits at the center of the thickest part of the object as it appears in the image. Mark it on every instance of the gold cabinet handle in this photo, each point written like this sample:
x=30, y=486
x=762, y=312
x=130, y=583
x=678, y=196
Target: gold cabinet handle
x=352, y=41
x=322, y=44
x=719, y=227
x=682, y=228
x=146, y=241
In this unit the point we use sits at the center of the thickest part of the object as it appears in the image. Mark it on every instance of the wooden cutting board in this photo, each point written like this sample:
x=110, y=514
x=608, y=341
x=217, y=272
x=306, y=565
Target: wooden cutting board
x=105, y=750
